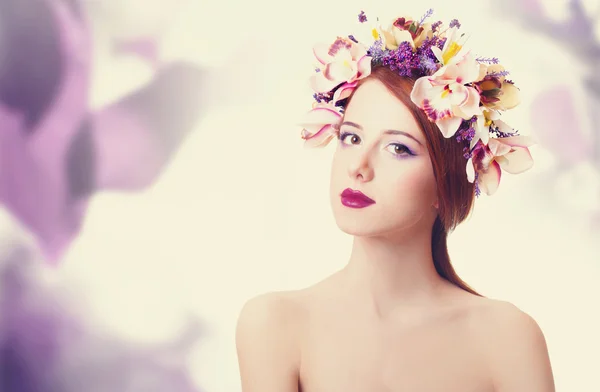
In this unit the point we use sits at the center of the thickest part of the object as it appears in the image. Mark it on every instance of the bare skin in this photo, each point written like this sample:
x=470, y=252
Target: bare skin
x=325, y=339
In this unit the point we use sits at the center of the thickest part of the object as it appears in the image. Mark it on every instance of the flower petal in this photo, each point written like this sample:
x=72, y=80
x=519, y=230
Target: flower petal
x=482, y=72
x=449, y=125
x=318, y=125
x=320, y=84
x=450, y=35
x=489, y=181
x=459, y=95
x=402, y=36
x=438, y=54
x=470, y=107
x=319, y=139
x=515, y=141
x=497, y=148
x=426, y=33
x=323, y=114
x=470, y=170
x=510, y=96
x=496, y=69
x=358, y=51
x=467, y=68
x=364, y=67
x=321, y=52
x=516, y=161
x=481, y=131
x=421, y=90
x=390, y=41
x=432, y=98
x=342, y=71
x=492, y=114
x=343, y=92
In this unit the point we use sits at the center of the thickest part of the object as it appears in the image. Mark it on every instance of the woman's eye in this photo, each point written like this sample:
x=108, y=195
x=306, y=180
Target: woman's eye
x=399, y=149
x=349, y=138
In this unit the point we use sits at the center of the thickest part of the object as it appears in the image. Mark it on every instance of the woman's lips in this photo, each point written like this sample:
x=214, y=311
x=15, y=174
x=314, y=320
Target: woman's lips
x=355, y=199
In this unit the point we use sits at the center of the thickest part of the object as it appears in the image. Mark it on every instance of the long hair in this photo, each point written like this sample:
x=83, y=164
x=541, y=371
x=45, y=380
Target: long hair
x=455, y=193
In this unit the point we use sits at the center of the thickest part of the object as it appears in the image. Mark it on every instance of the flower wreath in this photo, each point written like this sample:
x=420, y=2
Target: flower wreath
x=463, y=95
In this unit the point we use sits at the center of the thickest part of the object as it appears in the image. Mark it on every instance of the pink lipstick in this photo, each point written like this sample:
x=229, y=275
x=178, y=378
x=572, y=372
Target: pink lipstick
x=355, y=199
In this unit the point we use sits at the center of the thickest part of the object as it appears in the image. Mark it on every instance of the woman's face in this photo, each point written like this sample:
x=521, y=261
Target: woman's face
x=381, y=153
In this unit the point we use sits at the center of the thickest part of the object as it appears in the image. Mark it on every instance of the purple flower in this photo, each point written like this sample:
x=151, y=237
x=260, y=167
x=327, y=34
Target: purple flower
x=477, y=189
x=499, y=73
x=492, y=60
x=465, y=135
x=428, y=65
x=322, y=97
x=403, y=60
x=466, y=132
x=467, y=153
x=427, y=15
x=376, y=52
x=454, y=23
x=362, y=18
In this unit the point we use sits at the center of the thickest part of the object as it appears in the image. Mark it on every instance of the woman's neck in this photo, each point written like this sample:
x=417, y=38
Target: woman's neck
x=393, y=274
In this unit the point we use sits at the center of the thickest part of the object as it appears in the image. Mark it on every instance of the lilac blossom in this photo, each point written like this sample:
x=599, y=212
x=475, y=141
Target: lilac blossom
x=362, y=18
x=454, y=23
x=427, y=15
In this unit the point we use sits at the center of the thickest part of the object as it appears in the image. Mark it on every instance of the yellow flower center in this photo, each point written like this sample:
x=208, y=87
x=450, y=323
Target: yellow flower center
x=488, y=122
x=446, y=91
x=375, y=34
x=452, y=50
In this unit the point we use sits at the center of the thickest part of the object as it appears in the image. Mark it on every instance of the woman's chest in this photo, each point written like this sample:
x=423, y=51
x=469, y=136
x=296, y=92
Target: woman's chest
x=440, y=357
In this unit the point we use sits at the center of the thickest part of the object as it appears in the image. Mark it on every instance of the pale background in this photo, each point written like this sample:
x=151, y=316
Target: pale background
x=243, y=209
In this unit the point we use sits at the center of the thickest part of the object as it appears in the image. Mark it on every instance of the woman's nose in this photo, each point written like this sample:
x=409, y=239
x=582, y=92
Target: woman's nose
x=360, y=168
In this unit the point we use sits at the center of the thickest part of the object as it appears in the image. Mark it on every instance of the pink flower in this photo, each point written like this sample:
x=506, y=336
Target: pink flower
x=343, y=61
x=510, y=154
x=444, y=96
x=319, y=125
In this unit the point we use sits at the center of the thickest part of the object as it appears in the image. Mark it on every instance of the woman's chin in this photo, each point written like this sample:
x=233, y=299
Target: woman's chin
x=356, y=227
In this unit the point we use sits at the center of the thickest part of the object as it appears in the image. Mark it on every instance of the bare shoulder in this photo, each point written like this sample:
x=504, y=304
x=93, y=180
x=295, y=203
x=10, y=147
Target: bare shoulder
x=274, y=308
x=274, y=316
x=267, y=342
x=503, y=320
x=514, y=347
x=487, y=312
x=282, y=312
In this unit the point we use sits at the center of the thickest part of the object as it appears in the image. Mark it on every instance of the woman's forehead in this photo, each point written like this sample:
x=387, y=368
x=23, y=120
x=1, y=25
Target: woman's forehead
x=374, y=107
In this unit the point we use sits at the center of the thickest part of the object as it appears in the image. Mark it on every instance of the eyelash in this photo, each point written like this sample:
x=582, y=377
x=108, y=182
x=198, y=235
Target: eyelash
x=342, y=136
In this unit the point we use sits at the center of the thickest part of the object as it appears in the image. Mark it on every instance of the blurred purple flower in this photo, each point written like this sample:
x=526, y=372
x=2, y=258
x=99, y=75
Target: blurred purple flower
x=576, y=33
x=44, y=346
x=55, y=153
x=558, y=126
x=557, y=123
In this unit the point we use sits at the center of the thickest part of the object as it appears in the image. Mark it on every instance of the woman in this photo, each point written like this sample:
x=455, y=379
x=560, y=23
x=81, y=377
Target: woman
x=418, y=139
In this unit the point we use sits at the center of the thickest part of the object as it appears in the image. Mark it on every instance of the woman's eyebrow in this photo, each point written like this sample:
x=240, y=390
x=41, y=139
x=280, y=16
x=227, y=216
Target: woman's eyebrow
x=386, y=132
x=394, y=132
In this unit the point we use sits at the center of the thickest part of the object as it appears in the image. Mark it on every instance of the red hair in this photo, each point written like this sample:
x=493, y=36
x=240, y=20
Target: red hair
x=455, y=193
